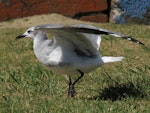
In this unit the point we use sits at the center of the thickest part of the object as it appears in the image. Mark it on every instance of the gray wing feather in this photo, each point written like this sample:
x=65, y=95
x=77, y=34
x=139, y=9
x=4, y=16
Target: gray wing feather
x=93, y=38
x=88, y=29
x=87, y=43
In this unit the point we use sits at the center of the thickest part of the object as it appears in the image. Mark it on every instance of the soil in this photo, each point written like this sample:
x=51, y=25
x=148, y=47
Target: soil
x=39, y=19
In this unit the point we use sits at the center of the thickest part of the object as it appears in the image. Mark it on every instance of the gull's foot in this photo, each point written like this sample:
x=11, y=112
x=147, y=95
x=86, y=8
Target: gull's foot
x=71, y=91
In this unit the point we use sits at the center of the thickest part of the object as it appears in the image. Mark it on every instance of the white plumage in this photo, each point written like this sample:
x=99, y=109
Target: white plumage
x=73, y=50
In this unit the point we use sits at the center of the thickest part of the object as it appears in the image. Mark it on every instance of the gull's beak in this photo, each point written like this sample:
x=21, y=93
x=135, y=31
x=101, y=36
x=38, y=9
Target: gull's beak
x=20, y=36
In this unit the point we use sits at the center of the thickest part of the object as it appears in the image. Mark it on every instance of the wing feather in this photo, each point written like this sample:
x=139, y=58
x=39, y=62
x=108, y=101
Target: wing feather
x=88, y=29
x=87, y=43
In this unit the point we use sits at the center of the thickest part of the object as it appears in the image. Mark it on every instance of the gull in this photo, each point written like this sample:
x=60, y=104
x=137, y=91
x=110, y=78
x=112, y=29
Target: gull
x=74, y=49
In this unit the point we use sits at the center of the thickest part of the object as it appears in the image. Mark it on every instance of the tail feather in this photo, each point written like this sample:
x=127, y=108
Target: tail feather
x=107, y=59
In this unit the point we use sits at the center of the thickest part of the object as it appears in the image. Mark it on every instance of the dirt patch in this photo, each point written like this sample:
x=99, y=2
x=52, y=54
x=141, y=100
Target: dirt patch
x=39, y=19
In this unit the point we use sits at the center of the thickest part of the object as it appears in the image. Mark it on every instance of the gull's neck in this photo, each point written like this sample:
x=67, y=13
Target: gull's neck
x=39, y=40
x=41, y=47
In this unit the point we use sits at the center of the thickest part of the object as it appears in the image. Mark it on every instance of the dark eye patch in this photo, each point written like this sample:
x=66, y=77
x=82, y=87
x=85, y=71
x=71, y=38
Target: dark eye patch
x=29, y=31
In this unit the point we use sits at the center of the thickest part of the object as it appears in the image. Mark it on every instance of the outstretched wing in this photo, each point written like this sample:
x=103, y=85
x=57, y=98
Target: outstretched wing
x=82, y=29
x=88, y=29
x=85, y=43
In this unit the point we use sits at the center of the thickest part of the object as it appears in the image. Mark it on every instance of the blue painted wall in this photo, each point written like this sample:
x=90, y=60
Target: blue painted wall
x=132, y=8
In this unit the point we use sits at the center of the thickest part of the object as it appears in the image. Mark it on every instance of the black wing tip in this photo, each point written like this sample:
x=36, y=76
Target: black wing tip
x=140, y=43
x=133, y=40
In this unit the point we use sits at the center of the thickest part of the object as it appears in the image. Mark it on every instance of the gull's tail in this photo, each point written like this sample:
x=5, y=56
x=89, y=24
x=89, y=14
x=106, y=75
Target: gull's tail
x=107, y=59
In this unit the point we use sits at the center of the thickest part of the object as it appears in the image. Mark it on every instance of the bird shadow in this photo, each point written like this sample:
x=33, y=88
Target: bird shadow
x=120, y=92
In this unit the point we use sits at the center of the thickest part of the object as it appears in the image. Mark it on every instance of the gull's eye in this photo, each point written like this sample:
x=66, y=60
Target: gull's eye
x=29, y=31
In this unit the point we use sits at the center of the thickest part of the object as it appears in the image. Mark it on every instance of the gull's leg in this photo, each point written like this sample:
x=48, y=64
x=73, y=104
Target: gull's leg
x=71, y=91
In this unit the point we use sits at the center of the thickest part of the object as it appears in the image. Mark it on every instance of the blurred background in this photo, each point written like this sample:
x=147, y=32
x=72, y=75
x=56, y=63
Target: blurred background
x=100, y=11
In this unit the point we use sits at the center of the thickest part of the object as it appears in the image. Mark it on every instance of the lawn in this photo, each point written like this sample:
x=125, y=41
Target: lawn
x=26, y=86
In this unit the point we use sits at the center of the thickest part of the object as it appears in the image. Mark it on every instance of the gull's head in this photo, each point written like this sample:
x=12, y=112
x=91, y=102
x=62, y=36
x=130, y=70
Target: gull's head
x=31, y=32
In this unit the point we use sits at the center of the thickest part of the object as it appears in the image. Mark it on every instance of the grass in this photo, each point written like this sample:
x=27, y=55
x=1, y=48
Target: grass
x=27, y=86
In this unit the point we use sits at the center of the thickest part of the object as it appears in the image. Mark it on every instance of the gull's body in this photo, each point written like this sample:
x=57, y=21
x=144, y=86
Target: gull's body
x=73, y=50
x=61, y=56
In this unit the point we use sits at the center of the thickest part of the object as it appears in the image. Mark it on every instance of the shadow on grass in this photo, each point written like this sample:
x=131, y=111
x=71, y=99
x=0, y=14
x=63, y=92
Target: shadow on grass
x=120, y=92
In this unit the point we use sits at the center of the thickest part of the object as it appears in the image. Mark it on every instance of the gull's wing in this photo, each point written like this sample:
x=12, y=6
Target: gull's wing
x=84, y=43
x=85, y=38
x=82, y=29
x=87, y=29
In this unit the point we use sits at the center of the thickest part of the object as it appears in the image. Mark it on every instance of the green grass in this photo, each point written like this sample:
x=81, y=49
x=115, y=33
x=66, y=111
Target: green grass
x=26, y=86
